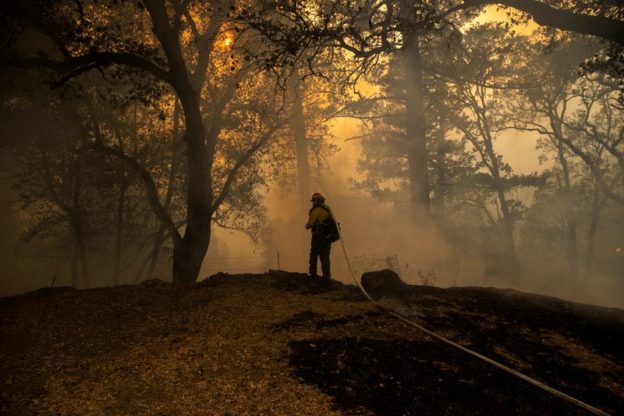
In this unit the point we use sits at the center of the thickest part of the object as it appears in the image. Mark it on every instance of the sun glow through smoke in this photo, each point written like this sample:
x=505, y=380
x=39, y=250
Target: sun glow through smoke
x=226, y=41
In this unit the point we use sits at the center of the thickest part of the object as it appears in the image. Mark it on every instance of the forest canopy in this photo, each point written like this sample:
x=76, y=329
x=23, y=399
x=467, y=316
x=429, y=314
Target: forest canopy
x=133, y=130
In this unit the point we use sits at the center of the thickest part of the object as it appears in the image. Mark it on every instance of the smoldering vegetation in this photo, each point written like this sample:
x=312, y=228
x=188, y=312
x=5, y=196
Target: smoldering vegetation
x=172, y=140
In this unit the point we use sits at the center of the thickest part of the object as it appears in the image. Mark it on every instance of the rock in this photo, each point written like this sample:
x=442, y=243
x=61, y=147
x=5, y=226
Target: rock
x=214, y=280
x=384, y=283
x=53, y=291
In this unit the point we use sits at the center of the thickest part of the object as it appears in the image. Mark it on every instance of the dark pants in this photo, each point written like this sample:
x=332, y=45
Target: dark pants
x=320, y=248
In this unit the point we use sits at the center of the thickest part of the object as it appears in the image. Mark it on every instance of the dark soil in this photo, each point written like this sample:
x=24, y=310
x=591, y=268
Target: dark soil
x=285, y=344
x=574, y=348
x=417, y=378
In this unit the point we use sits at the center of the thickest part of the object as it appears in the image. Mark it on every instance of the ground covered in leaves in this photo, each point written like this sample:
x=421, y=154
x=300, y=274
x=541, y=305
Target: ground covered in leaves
x=283, y=344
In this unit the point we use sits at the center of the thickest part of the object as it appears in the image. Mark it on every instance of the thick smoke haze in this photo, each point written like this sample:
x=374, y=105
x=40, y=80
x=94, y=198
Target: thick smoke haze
x=10, y=282
x=376, y=236
x=488, y=155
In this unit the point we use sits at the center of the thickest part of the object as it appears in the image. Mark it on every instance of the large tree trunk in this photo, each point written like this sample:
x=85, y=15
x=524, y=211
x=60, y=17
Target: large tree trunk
x=301, y=142
x=188, y=254
x=416, y=129
x=173, y=173
x=190, y=250
x=188, y=258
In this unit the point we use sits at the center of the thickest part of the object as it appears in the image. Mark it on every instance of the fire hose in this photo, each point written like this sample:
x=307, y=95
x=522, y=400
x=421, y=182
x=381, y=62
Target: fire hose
x=507, y=369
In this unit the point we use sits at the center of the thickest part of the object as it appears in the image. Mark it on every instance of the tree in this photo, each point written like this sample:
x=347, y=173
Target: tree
x=166, y=59
x=53, y=184
x=597, y=18
x=69, y=194
x=476, y=93
x=561, y=105
x=301, y=140
x=366, y=31
x=546, y=104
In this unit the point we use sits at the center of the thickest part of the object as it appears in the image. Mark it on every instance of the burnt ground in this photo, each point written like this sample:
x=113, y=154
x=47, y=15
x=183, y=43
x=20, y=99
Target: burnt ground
x=282, y=344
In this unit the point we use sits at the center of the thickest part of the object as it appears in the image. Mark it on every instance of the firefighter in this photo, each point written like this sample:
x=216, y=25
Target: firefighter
x=320, y=215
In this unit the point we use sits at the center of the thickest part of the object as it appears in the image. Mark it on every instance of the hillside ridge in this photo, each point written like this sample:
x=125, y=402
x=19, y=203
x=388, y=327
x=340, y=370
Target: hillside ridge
x=282, y=343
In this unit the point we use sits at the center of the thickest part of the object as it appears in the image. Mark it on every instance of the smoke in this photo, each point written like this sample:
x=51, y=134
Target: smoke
x=375, y=234
x=8, y=241
x=19, y=274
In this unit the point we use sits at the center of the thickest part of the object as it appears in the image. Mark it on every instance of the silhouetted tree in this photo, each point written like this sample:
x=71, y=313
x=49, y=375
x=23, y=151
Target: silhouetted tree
x=112, y=34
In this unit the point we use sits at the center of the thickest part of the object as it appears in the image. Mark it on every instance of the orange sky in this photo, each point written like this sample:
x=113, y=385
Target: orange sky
x=499, y=14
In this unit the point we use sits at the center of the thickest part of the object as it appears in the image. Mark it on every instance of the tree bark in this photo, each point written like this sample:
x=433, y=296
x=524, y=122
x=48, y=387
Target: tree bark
x=189, y=252
x=188, y=258
x=301, y=142
x=417, y=157
x=162, y=229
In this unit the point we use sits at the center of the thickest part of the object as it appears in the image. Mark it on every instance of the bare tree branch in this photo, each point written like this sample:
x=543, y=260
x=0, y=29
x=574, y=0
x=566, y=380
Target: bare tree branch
x=77, y=65
x=150, y=186
x=242, y=161
x=546, y=15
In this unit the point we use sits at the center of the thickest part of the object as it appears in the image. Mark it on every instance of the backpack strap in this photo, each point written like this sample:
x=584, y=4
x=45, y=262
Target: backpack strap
x=328, y=211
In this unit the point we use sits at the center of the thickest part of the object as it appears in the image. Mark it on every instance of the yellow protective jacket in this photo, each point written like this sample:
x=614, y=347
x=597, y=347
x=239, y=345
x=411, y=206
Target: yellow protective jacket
x=318, y=214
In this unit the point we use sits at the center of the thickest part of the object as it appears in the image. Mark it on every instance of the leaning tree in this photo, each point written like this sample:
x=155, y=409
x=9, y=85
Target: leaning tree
x=170, y=43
